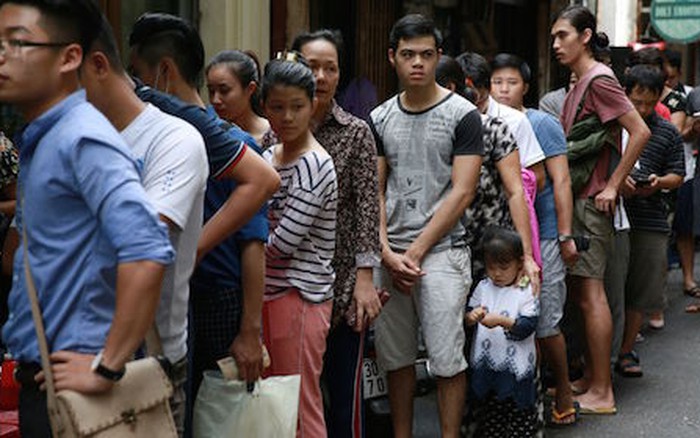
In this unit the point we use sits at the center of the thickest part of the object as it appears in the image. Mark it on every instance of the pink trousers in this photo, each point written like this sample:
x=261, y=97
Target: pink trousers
x=295, y=332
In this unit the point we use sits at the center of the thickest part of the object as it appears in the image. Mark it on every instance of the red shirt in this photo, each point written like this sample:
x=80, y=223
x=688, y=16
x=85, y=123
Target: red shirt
x=608, y=100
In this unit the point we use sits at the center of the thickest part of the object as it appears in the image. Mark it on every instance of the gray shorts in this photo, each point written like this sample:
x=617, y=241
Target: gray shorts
x=437, y=303
x=553, y=292
x=646, y=278
x=588, y=221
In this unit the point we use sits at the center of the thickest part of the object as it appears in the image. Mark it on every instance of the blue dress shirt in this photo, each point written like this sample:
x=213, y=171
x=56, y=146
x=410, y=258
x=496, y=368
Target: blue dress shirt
x=85, y=212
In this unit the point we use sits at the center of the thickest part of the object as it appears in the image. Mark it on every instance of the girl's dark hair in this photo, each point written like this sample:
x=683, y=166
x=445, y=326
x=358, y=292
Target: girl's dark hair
x=414, y=26
x=674, y=58
x=289, y=69
x=502, y=245
x=507, y=60
x=245, y=67
x=332, y=36
x=644, y=76
x=582, y=18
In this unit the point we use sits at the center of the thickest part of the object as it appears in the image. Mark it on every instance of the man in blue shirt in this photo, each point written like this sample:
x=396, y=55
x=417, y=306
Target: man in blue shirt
x=167, y=54
x=96, y=248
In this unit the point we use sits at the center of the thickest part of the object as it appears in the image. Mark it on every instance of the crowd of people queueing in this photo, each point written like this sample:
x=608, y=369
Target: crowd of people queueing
x=275, y=217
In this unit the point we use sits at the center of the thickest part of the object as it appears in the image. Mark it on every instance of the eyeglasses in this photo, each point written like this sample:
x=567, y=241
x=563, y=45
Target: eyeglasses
x=13, y=47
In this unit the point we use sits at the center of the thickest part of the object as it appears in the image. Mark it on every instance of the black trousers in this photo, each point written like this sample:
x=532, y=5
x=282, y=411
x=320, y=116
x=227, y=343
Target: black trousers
x=33, y=413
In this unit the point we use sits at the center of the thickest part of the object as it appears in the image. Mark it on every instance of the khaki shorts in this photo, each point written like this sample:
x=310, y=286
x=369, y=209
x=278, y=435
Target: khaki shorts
x=588, y=221
x=646, y=276
x=437, y=303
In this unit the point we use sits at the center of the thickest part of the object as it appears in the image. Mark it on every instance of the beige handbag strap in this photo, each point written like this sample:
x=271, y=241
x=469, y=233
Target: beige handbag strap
x=51, y=401
x=153, y=345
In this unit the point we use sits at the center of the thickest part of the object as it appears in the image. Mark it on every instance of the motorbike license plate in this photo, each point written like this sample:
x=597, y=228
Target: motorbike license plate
x=374, y=379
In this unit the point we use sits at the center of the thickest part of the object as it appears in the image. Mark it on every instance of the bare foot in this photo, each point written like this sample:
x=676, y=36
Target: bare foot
x=580, y=386
x=564, y=402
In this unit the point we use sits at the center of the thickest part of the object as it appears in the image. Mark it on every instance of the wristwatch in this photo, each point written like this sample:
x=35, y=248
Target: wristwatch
x=564, y=237
x=105, y=372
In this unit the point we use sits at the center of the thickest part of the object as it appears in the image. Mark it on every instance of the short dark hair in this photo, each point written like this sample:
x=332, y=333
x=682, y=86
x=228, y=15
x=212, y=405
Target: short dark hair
x=245, y=67
x=502, y=245
x=291, y=70
x=107, y=44
x=69, y=21
x=508, y=60
x=476, y=69
x=333, y=36
x=674, y=58
x=156, y=35
x=448, y=72
x=647, y=55
x=644, y=76
x=413, y=26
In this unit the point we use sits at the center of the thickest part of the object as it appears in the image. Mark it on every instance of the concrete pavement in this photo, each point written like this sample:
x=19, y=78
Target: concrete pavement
x=665, y=403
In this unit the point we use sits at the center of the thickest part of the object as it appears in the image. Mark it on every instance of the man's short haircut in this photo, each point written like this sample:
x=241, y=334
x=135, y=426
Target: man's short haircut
x=647, y=55
x=67, y=21
x=644, y=76
x=333, y=36
x=448, y=72
x=107, y=44
x=476, y=69
x=157, y=35
x=508, y=60
x=674, y=58
x=414, y=26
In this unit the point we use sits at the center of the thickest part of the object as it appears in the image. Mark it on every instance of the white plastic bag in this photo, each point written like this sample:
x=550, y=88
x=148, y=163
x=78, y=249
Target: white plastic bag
x=225, y=409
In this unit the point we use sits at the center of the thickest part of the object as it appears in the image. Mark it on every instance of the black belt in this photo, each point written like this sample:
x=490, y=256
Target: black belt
x=24, y=375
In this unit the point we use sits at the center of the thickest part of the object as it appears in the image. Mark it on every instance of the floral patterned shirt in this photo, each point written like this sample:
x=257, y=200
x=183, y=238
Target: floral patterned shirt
x=9, y=163
x=350, y=143
x=490, y=205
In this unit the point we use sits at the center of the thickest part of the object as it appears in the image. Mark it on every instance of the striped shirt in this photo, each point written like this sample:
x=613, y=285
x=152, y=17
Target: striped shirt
x=302, y=215
x=662, y=155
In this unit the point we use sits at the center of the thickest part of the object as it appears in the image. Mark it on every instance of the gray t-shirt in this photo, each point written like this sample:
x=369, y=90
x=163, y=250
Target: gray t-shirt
x=419, y=148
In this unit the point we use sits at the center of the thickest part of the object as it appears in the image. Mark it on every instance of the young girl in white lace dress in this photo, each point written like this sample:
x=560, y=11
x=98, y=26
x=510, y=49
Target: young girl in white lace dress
x=503, y=356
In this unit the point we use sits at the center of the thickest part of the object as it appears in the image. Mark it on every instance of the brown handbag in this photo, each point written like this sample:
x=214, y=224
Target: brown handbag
x=137, y=405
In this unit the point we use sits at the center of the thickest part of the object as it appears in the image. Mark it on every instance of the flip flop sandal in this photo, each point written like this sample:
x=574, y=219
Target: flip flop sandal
x=628, y=365
x=693, y=308
x=599, y=411
x=563, y=419
x=692, y=291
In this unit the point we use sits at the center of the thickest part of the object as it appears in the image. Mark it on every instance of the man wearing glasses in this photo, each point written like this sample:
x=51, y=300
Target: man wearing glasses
x=95, y=246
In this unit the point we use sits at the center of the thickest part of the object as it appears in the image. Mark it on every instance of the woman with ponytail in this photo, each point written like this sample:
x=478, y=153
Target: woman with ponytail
x=597, y=93
x=233, y=81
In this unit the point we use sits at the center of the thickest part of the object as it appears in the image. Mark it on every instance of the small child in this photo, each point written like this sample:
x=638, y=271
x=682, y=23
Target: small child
x=503, y=356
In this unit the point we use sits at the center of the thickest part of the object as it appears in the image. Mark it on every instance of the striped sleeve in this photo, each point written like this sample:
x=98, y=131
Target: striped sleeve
x=312, y=186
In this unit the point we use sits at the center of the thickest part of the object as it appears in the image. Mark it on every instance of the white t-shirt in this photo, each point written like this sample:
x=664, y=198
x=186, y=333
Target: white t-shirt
x=529, y=148
x=174, y=173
